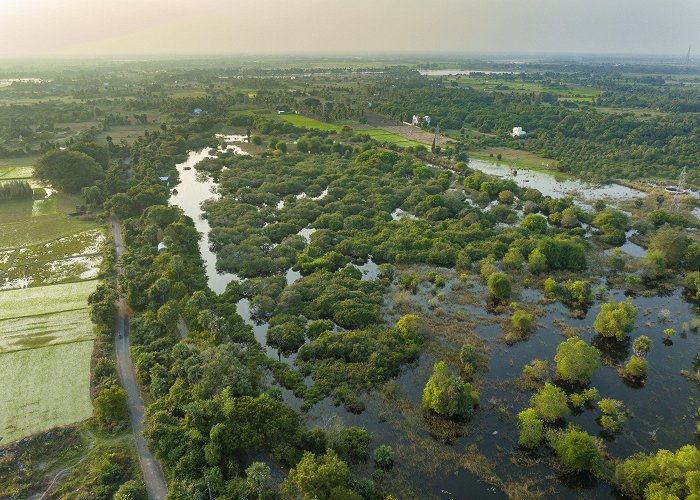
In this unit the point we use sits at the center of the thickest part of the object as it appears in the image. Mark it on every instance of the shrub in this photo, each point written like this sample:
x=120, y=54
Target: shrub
x=550, y=403
x=535, y=373
x=586, y=397
x=636, y=368
x=578, y=292
x=447, y=395
x=131, y=490
x=576, y=361
x=550, y=287
x=468, y=354
x=522, y=322
x=534, y=223
x=384, y=456
x=513, y=259
x=412, y=328
x=537, y=262
x=613, y=414
x=642, y=345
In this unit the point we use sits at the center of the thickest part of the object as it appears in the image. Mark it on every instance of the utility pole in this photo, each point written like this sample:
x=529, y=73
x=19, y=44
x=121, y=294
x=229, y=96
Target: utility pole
x=676, y=203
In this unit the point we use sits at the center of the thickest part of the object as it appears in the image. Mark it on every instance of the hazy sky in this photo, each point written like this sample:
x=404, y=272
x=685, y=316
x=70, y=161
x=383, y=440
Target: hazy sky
x=75, y=27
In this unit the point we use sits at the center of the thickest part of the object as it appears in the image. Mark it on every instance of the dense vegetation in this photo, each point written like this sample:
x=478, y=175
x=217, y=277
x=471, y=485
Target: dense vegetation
x=330, y=204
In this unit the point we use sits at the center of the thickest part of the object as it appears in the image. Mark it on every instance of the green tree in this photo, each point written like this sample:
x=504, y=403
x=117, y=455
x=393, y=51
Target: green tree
x=258, y=478
x=663, y=475
x=499, y=285
x=315, y=478
x=110, y=408
x=69, y=171
x=616, y=319
x=613, y=414
x=670, y=242
x=550, y=403
x=577, y=450
x=531, y=429
x=613, y=223
x=447, y=395
x=576, y=361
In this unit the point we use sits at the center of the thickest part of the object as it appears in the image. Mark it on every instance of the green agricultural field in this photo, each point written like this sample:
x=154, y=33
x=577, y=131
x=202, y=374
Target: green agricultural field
x=8, y=173
x=22, y=225
x=45, y=299
x=44, y=388
x=30, y=332
x=306, y=122
x=390, y=138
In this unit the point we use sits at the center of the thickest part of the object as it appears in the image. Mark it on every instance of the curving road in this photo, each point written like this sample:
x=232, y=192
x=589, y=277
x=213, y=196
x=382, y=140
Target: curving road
x=152, y=471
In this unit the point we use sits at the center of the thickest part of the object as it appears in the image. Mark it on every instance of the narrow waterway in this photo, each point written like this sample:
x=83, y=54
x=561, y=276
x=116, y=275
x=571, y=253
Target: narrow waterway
x=189, y=195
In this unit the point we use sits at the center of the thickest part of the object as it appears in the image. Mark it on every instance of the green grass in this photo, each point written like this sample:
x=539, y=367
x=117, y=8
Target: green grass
x=30, y=332
x=44, y=388
x=19, y=161
x=390, y=138
x=306, y=122
x=7, y=173
x=45, y=300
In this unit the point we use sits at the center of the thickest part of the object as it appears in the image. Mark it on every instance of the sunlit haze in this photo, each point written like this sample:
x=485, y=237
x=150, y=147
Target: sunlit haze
x=39, y=28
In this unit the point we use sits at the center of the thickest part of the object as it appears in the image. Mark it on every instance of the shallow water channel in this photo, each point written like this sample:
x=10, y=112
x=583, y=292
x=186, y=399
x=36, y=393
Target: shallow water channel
x=660, y=413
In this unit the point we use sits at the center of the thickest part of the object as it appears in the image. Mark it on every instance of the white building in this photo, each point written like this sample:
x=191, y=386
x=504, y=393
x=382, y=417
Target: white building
x=518, y=132
x=415, y=121
x=426, y=119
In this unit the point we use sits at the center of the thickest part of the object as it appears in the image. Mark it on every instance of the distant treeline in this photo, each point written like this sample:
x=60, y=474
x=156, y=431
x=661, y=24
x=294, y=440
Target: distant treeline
x=15, y=190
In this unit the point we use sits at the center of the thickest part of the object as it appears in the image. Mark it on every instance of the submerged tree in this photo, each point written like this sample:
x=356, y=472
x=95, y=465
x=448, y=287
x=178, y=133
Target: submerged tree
x=447, y=395
x=616, y=319
x=576, y=361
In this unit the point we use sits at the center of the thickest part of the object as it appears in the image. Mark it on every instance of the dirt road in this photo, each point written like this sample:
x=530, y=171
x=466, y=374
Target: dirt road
x=152, y=471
